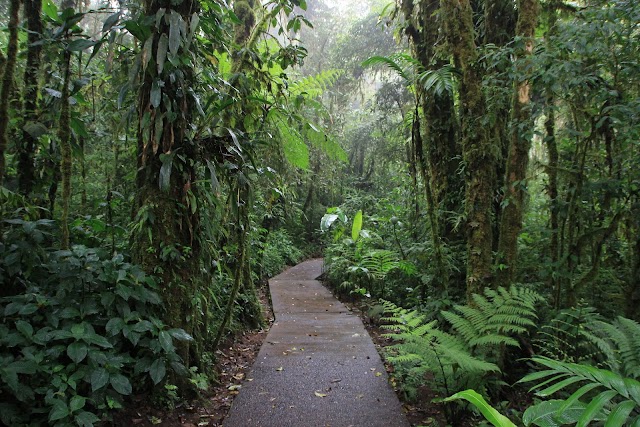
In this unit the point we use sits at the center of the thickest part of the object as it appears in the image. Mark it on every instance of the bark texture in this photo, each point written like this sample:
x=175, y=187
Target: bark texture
x=26, y=151
x=166, y=241
x=7, y=80
x=518, y=153
x=479, y=155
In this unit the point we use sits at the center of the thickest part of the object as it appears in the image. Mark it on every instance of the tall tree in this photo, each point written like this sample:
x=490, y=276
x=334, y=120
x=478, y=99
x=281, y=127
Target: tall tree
x=166, y=241
x=519, y=145
x=7, y=80
x=26, y=150
x=478, y=153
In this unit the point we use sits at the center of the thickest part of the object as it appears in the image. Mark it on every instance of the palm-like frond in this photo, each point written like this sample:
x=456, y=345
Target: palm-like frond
x=404, y=65
x=614, y=398
x=316, y=85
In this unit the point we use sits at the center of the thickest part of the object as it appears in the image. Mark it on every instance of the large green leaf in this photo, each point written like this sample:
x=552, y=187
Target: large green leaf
x=99, y=378
x=545, y=414
x=490, y=413
x=77, y=351
x=121, y=384
x=357, y=226
x=158, y=370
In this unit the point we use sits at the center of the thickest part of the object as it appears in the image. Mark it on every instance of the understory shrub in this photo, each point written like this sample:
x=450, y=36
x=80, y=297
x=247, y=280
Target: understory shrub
x=79, y=331
x=278, y=252
x=465, y=353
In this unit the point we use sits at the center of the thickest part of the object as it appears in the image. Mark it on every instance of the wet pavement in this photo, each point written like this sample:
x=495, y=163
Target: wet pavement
x=317, y=367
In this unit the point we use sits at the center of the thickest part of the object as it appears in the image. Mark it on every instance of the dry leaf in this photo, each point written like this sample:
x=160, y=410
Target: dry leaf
x=280, y=369
x=239, y=376
x=317, y=393
x=378, y=374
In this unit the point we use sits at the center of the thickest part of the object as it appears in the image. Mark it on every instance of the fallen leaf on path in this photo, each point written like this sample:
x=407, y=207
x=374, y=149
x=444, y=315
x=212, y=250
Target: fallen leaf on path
x=336, y=380
x=378, y=374
x=239, y=376
x=317, y=393
x=234, y=387
x=280, y=369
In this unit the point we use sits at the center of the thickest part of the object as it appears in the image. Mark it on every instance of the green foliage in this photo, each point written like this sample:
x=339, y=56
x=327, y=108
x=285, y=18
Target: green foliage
x=619, y=342
x=468, y=356
x=489, y=412
x=582, y=335
x=495, y=317
x=278, y=252
x=602, y=395
x=564, y=336
x=79, y=331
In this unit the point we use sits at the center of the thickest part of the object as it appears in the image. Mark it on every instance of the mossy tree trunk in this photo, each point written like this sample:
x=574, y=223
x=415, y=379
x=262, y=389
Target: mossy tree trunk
x=518, y=152
x=166, y=238
x=7, y=80
x=479, y=155
x=64, y=137
x=438, y=153
x=26, y=150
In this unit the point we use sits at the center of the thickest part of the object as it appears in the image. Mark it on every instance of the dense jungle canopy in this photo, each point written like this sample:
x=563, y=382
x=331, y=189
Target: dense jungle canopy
x=472, y=165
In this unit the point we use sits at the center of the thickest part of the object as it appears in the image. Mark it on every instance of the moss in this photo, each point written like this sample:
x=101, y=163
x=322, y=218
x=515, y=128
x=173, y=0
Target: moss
x=7, y=80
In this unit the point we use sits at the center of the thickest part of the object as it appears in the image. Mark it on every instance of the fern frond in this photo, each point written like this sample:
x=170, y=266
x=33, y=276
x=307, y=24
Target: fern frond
x=494, y=316
x=619, y=343
x=314, y=86
x=404, y=65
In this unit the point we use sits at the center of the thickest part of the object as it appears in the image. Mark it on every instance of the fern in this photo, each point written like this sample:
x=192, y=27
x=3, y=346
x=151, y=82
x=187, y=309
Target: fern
x=563, y=338
x=614, y=398
x=467, y=356
x=316, y=85
x=437, y=82
x=379, y=263
x=619, y=343
x=404, y=65
x=581, y=335
x=494, y=317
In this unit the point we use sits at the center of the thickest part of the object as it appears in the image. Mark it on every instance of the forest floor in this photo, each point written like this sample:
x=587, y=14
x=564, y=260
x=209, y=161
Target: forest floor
x=234, y=360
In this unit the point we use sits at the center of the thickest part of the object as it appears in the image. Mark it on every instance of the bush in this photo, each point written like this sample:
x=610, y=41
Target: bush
x=278, y=252
x=79, y=331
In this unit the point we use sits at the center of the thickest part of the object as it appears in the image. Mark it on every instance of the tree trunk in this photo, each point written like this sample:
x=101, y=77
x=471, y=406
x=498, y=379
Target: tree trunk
x=552, y=191
x=166, y=238
x=26, y=151
x=632, y=291
x=478, y=153
x=518, y=157
x=7, y=80
x=440, y=131
x=64, y=136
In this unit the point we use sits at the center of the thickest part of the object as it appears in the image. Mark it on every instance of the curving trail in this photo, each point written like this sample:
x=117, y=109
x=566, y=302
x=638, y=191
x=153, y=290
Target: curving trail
x=317, y=367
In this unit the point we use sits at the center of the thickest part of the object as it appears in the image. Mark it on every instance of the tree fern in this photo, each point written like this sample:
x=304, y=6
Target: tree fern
x=404, y=65
x=602, y=395
x=316, y=85
x=437, y=82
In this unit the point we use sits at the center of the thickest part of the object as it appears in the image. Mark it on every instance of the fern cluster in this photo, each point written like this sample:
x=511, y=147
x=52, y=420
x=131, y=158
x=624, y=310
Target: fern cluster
x=494, y=318
x=582, y=335
x=468, y=355
x=619, y=344
x=563, y=337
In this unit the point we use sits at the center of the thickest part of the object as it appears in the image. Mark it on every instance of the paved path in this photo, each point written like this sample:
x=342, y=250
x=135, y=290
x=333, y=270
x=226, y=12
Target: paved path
x=317, y=367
